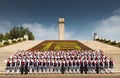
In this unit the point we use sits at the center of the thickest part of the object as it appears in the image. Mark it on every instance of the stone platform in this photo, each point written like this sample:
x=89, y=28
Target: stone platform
x=109, y=50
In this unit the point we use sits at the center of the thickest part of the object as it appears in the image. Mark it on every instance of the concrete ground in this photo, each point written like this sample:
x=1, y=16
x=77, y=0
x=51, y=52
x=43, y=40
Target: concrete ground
x=62, y=76
x=109, y=50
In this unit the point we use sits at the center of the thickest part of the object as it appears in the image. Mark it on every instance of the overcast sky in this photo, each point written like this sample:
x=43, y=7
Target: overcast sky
x=82, y=17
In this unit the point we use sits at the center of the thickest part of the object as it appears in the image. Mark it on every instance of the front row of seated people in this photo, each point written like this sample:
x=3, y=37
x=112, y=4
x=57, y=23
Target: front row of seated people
x=59, y=62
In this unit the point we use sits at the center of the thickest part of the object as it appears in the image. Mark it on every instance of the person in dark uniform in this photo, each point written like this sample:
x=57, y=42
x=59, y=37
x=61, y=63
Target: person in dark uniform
x=44, y=66
x=85, y=66
x=81, y=66
x=17, y=66
x=101, y=66
x=40, y=66
x=8, y=66
x=93, y=66
x=35, y=65
x=59, y=65
x=111, y=65
x=97, y=67
x=74, y=66
x=63, y=66
x=51, y=66
x=55, y=66
x=106, y=65
x=13, y=65
x=70, y=66
x=89, y=66
x=22, y=66
x=31, y=65
x=26, y=66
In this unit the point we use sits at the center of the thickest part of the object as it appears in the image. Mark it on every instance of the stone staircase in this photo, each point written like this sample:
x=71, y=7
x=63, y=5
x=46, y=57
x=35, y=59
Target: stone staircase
x=7, y=51
x=110, y=51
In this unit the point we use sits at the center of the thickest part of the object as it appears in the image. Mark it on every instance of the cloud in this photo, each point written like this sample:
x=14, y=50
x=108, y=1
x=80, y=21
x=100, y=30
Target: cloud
x=117, y=12
x=42, y=32
x=4, y=26
x=109, y=28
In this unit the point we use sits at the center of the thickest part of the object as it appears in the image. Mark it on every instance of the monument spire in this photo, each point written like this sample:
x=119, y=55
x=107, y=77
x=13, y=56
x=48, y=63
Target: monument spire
x=61, y=29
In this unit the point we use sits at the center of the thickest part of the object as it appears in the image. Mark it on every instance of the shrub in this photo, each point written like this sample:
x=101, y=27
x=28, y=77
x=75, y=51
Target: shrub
x=6, y=43
x=14, y=41
x=113, y=43
x=57, y=48
x=77, y=47
x=118, y=44
x=47, y=46
x=101, y=40
x=24, y=39
x=97, y=39
x=0, y=40
x=107, y=41
x=19, y=40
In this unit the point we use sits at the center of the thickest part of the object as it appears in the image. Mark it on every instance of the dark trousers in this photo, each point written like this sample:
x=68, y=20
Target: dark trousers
x=22, y=69
x=62, y=69
x=81, y=69
x=85, y=69
x=97, y=69
x=26, y=70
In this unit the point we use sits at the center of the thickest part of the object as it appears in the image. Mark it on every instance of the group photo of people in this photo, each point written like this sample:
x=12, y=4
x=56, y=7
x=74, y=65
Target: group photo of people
x=61, y=61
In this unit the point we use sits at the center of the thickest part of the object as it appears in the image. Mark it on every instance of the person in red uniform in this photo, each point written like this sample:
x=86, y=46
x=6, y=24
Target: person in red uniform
x=111, y=65
x=22, y=66
x=63, y=66
x=8, y=66
x=13, y=65
x=97, y=67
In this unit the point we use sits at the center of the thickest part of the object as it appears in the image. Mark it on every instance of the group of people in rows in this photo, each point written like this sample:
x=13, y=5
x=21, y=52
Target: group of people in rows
x=62, y=61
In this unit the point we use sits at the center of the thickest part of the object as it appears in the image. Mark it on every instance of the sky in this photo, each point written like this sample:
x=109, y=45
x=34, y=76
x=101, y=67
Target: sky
x=82, y=18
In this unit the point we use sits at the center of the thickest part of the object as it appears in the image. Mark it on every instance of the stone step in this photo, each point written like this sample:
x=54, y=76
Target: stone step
x=7, y=51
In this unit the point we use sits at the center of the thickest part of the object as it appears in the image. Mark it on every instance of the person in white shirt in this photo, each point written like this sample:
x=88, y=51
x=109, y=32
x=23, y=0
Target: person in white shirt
x=8, y=66
x=31, y=65
x=111, y=65
x=55, y=66
x=89, y=66
x=78, y=65
x=17, y=66
x=35, y=65
x=93, y=66
x=106, y=65
x=101, y=66
x=51, y=65
x=13, y=66
x=59, y=65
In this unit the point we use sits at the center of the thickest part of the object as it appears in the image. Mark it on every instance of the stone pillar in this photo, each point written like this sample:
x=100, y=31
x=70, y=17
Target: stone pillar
x=26, y=36
x=95, y=36
x=61, y=29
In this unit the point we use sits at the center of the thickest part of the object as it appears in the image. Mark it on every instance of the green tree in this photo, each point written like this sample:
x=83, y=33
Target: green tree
x=17, y=32
x=1, y=36
x=6, y=36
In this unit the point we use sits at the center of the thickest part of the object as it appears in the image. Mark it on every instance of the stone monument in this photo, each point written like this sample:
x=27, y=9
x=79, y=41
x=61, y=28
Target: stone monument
x=26, y=36
x=95, y=36
x=61, y=29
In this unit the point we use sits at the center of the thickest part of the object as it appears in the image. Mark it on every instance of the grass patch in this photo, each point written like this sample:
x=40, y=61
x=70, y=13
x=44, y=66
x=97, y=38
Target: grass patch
x=60, y=45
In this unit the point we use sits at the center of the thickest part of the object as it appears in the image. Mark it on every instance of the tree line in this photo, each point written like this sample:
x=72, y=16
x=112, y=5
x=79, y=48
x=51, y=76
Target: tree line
x=17, y=32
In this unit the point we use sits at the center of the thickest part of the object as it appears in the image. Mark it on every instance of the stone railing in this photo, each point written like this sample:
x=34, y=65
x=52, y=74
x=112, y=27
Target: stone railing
x=107, y=41
x=10, y=41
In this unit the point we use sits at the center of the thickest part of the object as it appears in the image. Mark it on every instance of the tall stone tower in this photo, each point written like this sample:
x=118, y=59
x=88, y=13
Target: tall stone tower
x=61, y=29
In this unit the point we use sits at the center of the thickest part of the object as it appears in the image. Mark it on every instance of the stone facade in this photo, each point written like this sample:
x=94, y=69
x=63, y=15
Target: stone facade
x=61, y=29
